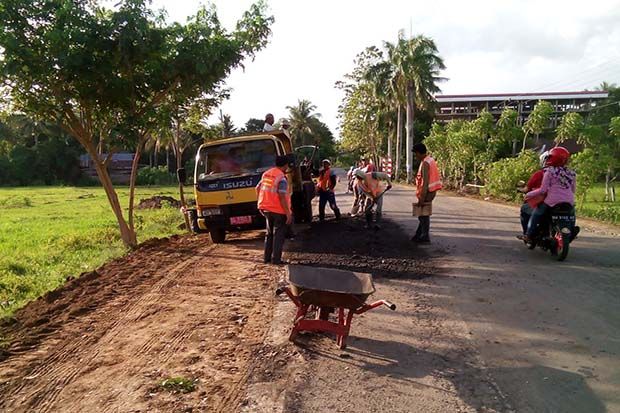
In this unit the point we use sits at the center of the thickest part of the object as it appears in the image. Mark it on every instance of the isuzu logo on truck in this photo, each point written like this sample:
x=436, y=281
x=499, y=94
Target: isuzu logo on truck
x=238, y=184
x=229, y=183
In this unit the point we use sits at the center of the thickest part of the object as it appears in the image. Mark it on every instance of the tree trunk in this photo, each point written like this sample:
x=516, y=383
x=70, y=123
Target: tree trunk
x=524, y=142
x=132, y=181
x=399, y=134
x=128, y=236
x=168, y=158
x=389, y=146
x=409, y=148
x=179, y=156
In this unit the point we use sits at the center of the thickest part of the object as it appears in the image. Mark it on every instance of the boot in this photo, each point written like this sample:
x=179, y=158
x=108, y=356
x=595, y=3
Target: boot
x=337, y=213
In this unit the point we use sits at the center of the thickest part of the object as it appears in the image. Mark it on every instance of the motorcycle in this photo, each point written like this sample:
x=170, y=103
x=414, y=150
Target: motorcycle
x=556, y=231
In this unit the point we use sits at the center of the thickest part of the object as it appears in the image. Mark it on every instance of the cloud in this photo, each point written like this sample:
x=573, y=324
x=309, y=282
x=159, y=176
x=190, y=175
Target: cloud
x=488, y=46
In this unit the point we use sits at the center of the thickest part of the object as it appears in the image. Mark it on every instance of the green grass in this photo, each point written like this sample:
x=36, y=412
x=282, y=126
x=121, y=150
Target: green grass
x=48, y=234
x=596, y=207
x=178, y=385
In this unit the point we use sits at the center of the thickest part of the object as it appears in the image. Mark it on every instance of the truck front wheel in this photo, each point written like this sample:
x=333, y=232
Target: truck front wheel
x=218, y=235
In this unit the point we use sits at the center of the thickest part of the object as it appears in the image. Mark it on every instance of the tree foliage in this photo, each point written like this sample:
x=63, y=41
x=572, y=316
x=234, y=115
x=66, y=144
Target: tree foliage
x=571, y=127
x=538, y=120
x=303, y=117
x=103, y=74
x=385, y=80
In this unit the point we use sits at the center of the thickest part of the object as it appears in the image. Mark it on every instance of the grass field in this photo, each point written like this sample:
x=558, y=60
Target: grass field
x=48, y=234
x=596, y=207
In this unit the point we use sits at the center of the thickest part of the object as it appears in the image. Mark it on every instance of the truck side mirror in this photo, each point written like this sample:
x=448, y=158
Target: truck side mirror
x=181, y=175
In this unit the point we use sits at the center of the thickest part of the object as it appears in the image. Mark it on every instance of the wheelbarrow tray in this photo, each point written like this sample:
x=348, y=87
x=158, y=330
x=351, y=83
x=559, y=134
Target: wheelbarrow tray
x=327, y=287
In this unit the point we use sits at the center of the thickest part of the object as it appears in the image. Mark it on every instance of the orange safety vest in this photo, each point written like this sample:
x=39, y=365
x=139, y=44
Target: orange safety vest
x=370, y=185
x=268, y=196
x=434, y=177
x=323, y=183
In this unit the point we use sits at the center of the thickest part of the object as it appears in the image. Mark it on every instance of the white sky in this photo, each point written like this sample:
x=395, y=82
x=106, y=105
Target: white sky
x=488, y=47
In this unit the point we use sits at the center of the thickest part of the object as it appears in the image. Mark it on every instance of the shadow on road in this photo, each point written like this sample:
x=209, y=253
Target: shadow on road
x=541, y=389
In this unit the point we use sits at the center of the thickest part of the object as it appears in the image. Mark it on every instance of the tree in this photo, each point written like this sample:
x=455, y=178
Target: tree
x=571, y=126
x=538, y=120
x=612, y=150
x=302, y=116
x=417, y=65
x=103, y=74
x=254, y=125
x=508, y=133
x=606, y=86
x=228, y=128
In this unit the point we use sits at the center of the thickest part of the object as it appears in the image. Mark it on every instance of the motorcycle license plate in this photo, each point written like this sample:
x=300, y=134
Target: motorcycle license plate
x=563, y=218
x=247, y=219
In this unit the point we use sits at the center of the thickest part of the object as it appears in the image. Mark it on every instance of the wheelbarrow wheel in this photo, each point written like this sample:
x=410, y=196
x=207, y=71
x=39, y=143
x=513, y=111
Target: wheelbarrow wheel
x=323, y=313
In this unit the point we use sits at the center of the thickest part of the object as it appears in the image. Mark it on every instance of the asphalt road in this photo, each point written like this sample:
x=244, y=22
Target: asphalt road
x=547, y=333
x=494, y=327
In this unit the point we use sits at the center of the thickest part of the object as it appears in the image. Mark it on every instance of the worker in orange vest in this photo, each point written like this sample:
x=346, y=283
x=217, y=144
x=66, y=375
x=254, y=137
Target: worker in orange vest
x=369, y=184
x=274, y=203
x=428, y=182
x=325, y=187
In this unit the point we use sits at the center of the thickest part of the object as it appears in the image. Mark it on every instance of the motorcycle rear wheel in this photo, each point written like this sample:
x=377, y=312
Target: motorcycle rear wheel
x=561, y=247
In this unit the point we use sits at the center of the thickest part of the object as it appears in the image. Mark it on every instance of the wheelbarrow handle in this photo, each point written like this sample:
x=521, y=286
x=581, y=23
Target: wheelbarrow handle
x=389, y=305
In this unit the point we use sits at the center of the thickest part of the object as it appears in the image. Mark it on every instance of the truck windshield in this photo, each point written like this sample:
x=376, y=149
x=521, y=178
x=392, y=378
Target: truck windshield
x=236, y=158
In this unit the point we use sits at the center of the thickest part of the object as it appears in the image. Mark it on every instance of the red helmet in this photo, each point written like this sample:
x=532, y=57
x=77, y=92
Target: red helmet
x=558, y=156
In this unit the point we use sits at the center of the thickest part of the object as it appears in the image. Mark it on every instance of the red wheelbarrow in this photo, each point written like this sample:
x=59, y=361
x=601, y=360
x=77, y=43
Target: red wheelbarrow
x=317, y=292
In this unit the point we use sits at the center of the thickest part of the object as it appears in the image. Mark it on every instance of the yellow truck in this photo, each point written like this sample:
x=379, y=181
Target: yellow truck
x=225, y=178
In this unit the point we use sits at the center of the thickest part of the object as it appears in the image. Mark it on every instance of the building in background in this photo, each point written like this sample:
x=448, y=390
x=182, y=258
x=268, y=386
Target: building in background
x=119, y=166
x=467, y=107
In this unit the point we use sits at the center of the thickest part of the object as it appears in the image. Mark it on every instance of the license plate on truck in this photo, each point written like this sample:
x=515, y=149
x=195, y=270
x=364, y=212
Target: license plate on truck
x=241, y=220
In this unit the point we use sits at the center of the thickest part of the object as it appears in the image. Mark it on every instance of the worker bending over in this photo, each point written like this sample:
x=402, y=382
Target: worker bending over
x=370, y=184
x=274, y=203
x=325, y=187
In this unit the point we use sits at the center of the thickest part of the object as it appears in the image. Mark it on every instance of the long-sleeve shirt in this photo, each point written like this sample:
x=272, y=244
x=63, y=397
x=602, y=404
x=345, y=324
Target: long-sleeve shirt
x=559, y=184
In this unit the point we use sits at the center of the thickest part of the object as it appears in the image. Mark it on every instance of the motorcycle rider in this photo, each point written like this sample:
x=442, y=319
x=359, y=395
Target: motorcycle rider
x=558, y=186
x=534, y=182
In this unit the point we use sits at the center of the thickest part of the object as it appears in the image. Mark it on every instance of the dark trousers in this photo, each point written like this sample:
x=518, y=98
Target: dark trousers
x=274, y=240
x=424, y=227
x=526, y=213
x=536, y=218
x=324, y=198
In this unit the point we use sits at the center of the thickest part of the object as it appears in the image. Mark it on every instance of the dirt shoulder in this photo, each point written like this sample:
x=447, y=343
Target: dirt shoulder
x=173, y=308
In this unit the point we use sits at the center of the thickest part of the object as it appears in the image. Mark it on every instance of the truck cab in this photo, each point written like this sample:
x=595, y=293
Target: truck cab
x=225, y=178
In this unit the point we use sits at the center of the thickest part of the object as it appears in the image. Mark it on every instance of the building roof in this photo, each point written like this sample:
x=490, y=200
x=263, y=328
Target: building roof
x=586, y=94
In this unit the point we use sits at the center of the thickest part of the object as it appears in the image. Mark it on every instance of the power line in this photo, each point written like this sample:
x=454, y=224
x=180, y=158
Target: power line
x=580, y=73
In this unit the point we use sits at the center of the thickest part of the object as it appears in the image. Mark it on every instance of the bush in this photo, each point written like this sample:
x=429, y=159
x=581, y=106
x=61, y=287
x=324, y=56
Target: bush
x=503, y=176
x=609, y=213
x=155, y=176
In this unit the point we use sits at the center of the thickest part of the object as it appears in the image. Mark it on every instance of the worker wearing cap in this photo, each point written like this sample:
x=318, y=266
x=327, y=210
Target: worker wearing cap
x=274, y=204
x=369, y=184
x=325, y=187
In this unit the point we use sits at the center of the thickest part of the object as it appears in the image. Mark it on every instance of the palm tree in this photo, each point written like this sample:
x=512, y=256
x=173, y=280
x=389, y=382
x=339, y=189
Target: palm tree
x=302, y=117
x=606, y=86
x=417, y=65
